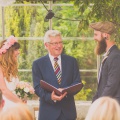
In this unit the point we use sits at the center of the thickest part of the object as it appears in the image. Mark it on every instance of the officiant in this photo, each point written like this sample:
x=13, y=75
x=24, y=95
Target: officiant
x=60, y=71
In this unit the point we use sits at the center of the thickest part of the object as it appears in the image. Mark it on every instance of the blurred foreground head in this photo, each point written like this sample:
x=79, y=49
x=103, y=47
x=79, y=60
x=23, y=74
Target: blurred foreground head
x=18, y=112
x=104, y=108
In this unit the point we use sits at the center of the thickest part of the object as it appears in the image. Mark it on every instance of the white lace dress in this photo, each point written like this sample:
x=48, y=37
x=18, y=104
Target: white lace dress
x=11, y=86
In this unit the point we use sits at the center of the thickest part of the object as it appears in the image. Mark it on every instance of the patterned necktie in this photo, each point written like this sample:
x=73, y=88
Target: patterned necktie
x=57, y=70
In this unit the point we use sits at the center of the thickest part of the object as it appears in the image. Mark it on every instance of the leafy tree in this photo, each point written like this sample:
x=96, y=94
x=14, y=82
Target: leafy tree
x=83, y=94
x=99, y=10
x=26, y=21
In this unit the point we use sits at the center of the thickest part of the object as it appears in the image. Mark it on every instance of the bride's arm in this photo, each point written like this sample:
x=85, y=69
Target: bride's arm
x=5, y=91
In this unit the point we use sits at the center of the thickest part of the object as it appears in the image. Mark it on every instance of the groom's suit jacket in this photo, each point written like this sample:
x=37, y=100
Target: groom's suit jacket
x=109, y=82
x=42, y=70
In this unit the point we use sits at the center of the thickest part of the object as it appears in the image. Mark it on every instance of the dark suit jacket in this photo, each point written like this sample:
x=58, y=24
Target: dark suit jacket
x=42, y=70
x=109, y=83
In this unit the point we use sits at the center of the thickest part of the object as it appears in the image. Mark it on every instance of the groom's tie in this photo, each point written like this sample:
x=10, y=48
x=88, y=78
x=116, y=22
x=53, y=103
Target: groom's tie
x=57, y=70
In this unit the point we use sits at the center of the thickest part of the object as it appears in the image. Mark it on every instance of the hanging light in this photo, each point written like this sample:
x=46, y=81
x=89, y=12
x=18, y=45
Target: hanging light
x=6, y=2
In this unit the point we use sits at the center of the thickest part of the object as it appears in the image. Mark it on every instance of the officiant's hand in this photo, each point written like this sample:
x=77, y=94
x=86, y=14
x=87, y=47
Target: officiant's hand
x=55, y=97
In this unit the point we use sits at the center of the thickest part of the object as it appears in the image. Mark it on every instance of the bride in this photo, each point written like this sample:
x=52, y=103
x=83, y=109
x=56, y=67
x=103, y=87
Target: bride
x=9, y=51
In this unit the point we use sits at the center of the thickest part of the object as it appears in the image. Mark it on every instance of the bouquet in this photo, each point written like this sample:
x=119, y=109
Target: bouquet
x=24, y=90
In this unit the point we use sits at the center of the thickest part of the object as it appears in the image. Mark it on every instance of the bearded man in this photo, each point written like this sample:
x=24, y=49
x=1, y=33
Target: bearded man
x=109, y=72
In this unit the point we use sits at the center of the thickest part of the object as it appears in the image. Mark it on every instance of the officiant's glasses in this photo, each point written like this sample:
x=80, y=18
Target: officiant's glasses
x=56, y=43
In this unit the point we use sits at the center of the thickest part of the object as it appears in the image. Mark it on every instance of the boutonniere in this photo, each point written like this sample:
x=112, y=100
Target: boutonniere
x=105, y=57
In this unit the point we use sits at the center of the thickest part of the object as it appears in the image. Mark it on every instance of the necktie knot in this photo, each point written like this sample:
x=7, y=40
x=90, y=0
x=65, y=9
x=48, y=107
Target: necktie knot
x=55, y=59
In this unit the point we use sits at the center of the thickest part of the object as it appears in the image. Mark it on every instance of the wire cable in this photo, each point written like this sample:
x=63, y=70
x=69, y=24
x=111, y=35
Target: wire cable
x=44, y=5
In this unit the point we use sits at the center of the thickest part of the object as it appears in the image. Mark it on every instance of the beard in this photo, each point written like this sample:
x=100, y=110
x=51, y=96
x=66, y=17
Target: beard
x=101, y=46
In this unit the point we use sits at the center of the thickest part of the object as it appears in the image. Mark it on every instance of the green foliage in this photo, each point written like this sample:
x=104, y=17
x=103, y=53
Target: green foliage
x=82, y=50
x=67, y=21
x=83, y=94
x=27, y=23
x=99, y=10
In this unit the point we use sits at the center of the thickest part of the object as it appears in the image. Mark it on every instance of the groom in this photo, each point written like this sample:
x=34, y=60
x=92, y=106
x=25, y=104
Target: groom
x=53, y=107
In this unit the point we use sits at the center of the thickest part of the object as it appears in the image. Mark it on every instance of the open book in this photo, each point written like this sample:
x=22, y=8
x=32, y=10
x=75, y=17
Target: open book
x=72, y=89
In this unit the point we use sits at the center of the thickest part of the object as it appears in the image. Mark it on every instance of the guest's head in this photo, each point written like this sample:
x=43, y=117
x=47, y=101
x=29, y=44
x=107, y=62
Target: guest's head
x=9, y=51
x=2, y=102
x=53, y=42
x=104, y=108
x=18, y=112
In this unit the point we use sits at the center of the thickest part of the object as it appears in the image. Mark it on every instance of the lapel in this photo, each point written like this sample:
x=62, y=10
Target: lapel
x=63, y=66
x=48, y=63
x=109, y=52
x=104, y=59
x=49, y=66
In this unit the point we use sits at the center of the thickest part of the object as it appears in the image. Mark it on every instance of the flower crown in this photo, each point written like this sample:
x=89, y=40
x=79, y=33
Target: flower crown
x=9, y=42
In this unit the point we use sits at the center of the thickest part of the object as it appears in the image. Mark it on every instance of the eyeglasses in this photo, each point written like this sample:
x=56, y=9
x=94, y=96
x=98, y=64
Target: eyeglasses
x=56, y=43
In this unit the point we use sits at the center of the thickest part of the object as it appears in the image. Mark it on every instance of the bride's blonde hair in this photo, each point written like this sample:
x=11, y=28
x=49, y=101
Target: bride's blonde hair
x=8, y=63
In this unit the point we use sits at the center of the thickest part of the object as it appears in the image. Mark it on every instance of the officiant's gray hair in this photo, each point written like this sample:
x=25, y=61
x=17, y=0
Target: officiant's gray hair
x=52, y=33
